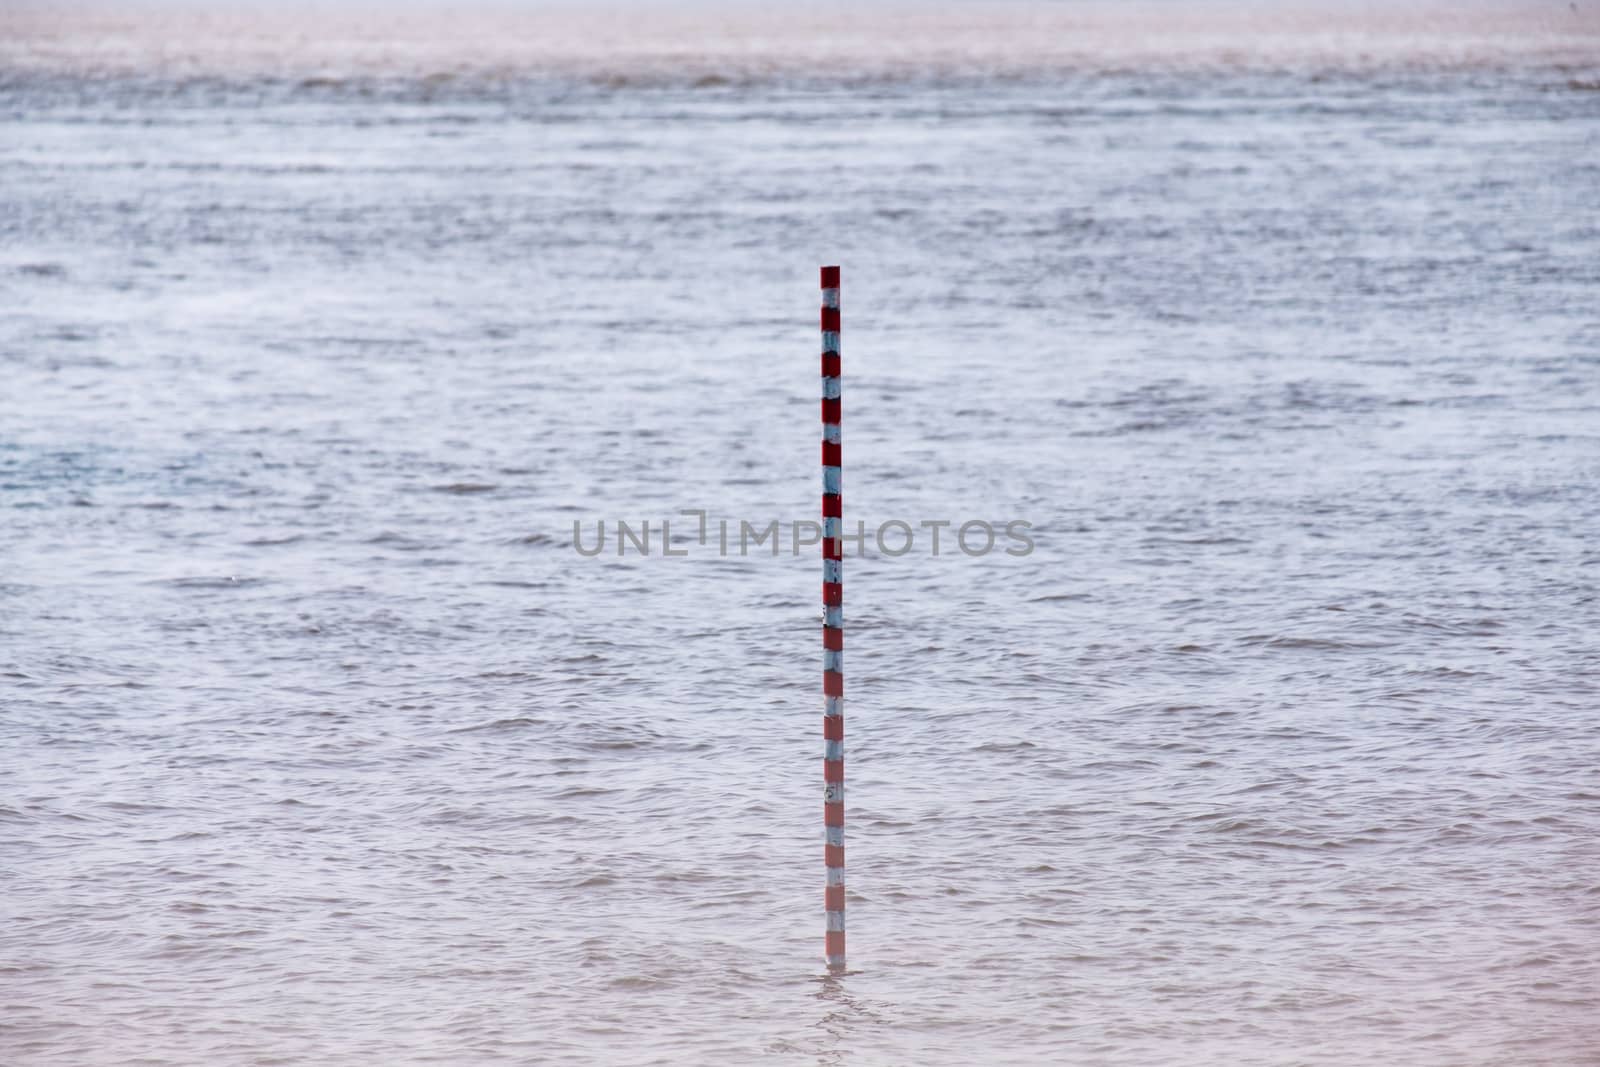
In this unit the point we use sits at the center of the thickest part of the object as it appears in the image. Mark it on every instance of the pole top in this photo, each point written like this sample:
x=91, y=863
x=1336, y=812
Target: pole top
x=830, y=277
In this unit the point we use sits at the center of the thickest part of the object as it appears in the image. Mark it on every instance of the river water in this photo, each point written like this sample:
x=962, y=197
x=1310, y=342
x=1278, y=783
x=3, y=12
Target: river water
x=319, y=743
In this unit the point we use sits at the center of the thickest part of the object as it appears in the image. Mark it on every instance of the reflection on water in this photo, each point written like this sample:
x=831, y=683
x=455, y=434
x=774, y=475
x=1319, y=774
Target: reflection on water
x=843, y=1016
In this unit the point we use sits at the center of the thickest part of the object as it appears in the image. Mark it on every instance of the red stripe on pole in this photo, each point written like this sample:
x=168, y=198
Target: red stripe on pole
x=832, y=770
x=830, y=453
x=834, y=897
x=830, y=411
x=830, y=277
x=833, y=727
x=832, y=594
x=830, y=364
x=832, y=506
x=833, y=814
x=833, y=855
x=832, y=638
x=830, y=319
x=832, y=684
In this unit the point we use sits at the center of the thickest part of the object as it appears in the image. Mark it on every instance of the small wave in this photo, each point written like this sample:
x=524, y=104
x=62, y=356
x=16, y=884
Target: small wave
x=1006, y=746
x=394, y=540
x=1218, y=539
x=465, y=488
x=269, y=542
x=1308, y=644
x=220, y=581
x=514, y=723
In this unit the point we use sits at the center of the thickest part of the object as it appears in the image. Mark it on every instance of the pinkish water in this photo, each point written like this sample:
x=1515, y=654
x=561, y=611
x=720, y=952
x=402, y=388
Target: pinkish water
x=320, y=744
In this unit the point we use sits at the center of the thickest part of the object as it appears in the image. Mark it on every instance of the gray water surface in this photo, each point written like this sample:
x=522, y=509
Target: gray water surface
x=320, y=744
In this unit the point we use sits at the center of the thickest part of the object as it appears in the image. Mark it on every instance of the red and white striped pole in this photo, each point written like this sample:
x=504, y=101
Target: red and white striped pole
x=832, y=626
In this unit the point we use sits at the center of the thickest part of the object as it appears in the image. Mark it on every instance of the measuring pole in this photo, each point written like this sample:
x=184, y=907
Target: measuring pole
x=832, y=626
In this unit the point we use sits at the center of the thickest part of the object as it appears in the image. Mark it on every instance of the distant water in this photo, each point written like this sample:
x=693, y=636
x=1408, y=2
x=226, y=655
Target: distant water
x=320, y=745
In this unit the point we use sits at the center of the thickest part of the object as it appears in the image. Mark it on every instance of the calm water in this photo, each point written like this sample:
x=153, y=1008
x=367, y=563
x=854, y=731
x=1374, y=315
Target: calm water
x=322, y=746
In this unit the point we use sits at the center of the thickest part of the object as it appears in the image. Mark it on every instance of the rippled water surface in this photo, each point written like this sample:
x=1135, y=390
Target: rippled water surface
x=322, y=745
